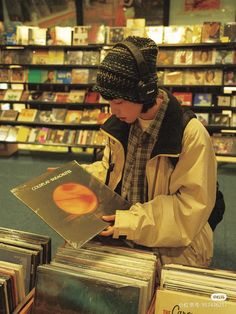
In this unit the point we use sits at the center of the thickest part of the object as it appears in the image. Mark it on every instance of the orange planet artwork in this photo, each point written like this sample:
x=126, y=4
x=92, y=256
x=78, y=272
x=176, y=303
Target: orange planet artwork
x=75, y=198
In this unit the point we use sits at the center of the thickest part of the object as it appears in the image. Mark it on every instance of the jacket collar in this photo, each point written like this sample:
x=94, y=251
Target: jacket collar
x=170, y=134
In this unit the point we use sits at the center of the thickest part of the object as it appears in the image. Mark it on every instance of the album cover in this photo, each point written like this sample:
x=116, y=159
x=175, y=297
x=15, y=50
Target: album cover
x=2, y=94
x=73, y=116
x=12, y=134
x=185, y=98
x=80, y=35
x=139, y=31
x=27, y=115
x=56, y=56
x=203, y=118
x=25, y=95
x=61, y=97
x=204, y=56
x=22, y=34
x=42, y=135
x=91, y=57
x=35, y=75
x=211, y=32
x=220, y=119
x=230, y=31
x=92, y=77
x=61, y=35
x=63, y=76
x=69, y=137
x=174, y=34
x=90, y=116
x=193, y=77
x=4, y=129
x=233, y=120
x=10, y=56
x=224, y=101
x=75, y=202
x=41, y=56
x=165, y=57
x=32, y=135
x=43, y=116
x=230, y=77
x=172, y=77
x=213, y=77
x=76, y=96
x=224, y=57
x=183, y=57
x=37, y=36
x=115, y=34
x=58, y=288
x=202, y=99
x=48, y=96
x=74, y=57
x=92, y=97
x=9, y=115
x=18, y=107
x=59, y=136
x=23, y=133
x=18, y=75
x=155, y=33
x=25, y=56
x=4, y=75
x=12, y=94
x=224, y=144
x=79, y=76
x=96, y=34
x=197, y=33
x=99, y=139
x=58, y=115
x=48, y=76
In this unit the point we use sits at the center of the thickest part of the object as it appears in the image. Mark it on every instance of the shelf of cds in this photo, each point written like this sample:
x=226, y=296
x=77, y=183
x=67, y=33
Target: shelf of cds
x=47, y=76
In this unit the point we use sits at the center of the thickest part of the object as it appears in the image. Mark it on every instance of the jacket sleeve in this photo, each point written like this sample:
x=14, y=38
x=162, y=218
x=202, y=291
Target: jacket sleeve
x=175, y=219
x=99, y=168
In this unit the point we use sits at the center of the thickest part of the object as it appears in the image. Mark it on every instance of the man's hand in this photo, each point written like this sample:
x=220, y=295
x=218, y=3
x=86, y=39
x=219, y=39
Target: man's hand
x=110, y=229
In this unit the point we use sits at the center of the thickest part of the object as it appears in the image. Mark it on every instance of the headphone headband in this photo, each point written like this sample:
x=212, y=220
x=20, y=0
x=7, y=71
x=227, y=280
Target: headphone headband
x=147, y=87
x=138, y=57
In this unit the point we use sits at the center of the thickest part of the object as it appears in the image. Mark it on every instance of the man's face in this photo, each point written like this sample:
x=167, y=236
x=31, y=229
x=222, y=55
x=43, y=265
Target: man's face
x=125, y=110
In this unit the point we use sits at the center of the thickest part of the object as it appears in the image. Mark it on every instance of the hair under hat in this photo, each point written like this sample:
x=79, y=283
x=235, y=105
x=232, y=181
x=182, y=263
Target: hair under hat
x=118, y=75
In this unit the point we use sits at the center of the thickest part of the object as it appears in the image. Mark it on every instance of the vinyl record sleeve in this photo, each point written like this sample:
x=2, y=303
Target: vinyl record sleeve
x=68, y=291
x=71, y=201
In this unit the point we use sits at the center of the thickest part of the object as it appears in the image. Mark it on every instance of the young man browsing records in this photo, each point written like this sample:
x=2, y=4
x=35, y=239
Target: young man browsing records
x=171, y=203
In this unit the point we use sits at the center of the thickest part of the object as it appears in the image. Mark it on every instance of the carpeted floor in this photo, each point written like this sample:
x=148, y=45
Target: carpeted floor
x=21, y=167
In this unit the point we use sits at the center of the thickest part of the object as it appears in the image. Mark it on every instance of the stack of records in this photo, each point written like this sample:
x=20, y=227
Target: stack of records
x=96, y=279
x=20, y=255
x=186, y=289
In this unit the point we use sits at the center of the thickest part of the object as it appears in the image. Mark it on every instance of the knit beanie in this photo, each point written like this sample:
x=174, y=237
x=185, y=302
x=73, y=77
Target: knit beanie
x=118, y=75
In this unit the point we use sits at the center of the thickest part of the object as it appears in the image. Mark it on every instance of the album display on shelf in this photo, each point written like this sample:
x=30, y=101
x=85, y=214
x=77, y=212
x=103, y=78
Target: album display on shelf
x=58, y=67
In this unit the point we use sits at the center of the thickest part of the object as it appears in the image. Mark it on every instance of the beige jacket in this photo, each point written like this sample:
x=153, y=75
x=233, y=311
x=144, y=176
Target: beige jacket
x=174, y=220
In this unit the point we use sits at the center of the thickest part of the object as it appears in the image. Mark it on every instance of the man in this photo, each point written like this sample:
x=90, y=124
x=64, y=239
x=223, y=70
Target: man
x=170, y=204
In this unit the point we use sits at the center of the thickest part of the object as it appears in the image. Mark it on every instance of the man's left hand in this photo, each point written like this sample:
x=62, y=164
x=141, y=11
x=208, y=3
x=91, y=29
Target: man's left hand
x=110, y=229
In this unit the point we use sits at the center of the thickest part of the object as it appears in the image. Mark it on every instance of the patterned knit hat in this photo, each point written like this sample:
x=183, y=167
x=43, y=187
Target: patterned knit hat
x=118, y=76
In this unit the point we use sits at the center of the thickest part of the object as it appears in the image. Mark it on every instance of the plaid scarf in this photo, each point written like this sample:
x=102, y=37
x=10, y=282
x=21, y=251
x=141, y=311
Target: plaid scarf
x=140, y=146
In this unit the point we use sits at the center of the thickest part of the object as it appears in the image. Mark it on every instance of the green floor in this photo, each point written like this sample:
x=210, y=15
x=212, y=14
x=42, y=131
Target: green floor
x=21, y=167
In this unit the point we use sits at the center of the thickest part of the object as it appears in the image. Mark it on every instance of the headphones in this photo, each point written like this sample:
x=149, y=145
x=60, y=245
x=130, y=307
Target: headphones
x=147, y=88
